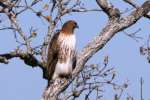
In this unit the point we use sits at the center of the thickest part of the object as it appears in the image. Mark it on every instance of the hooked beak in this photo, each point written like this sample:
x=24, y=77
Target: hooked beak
x=77, y=26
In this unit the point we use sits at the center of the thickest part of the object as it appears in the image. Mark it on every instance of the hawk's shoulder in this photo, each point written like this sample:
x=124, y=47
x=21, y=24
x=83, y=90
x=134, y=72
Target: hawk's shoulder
x=52, y=56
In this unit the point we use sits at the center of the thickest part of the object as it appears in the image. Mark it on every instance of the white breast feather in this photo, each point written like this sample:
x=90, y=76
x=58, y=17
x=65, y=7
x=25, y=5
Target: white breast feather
x=66, y=67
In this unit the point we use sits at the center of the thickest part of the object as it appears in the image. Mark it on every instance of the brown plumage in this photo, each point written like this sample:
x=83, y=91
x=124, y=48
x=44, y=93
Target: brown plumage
x=61, y=52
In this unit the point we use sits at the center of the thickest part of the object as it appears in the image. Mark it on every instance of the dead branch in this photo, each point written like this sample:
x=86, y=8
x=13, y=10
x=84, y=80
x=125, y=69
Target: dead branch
x=28, y=59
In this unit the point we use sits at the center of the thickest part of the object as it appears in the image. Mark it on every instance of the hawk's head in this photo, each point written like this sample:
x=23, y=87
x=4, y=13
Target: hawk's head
x=69, y=26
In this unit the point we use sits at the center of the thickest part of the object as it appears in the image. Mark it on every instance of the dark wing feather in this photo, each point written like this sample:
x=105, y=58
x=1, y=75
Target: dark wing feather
x=52, y=57
x=74, y=61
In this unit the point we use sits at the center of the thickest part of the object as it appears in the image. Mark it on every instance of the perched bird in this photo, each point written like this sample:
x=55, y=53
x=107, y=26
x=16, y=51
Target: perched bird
x=61, y=52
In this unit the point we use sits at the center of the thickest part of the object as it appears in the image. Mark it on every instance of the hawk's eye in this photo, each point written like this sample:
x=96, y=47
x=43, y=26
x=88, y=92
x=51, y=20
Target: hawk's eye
x=76, y=25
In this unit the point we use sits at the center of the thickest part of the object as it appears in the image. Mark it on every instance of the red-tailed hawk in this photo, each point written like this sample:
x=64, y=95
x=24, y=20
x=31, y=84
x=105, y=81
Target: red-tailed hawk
x=61, y=52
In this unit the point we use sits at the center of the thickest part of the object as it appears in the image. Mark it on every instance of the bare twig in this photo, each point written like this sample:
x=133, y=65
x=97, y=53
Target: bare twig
x=134, y=35
x=131, y=3
x=141, y=88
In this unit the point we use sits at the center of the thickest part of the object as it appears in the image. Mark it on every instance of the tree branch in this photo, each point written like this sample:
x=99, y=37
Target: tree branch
x=108, y=32
x=28, y=59
x=130, y=2
x=114, y=26
x=108, y=8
